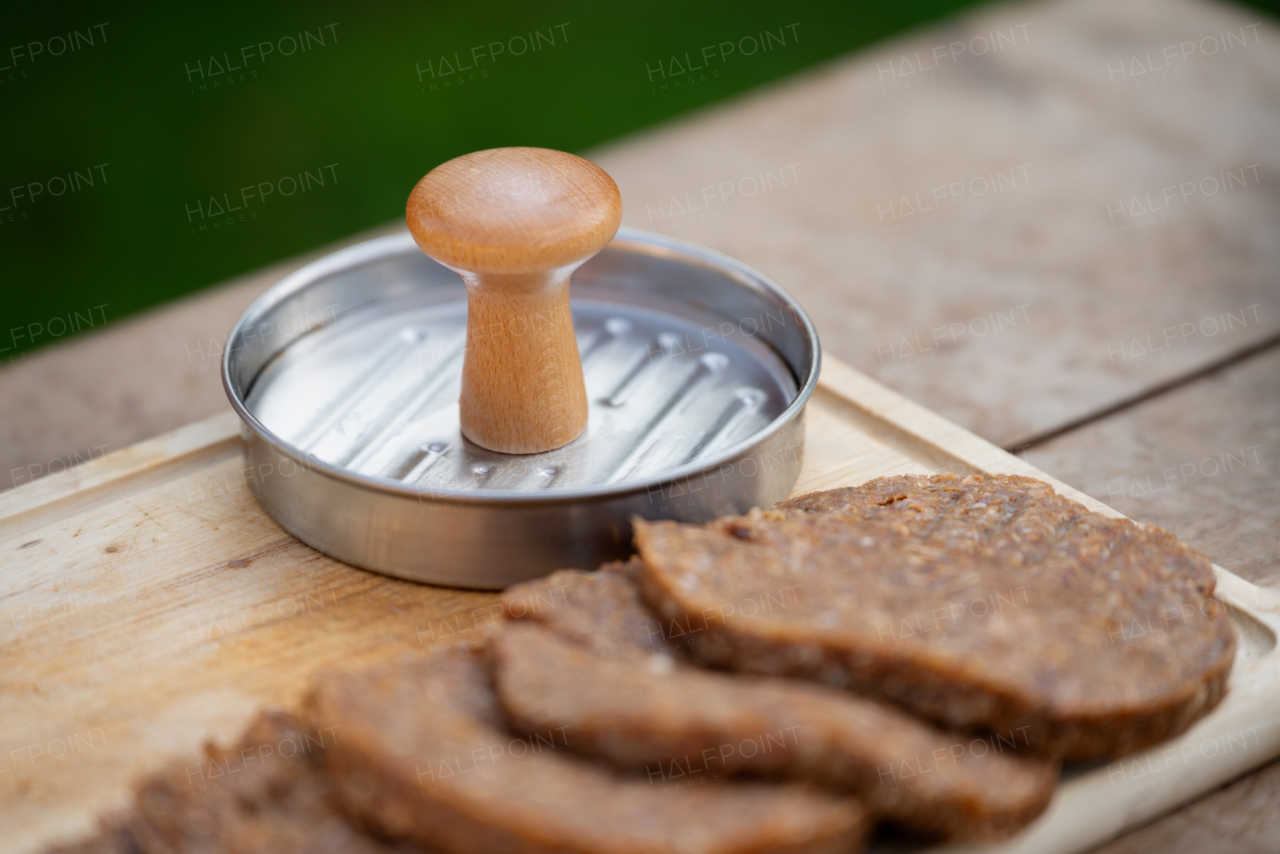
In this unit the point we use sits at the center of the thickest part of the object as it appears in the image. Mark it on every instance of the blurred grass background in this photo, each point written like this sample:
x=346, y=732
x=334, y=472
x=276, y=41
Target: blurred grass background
x=361, y=100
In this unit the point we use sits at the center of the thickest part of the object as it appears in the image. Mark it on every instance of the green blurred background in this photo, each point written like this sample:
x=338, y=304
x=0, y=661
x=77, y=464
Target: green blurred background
x=138, y=111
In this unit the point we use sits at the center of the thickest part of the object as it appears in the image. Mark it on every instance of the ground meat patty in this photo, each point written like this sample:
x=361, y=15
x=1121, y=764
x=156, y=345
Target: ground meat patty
x=676, y=722
x=264, y=795
x=423, y=753
x=983, y=602
x=601, y=610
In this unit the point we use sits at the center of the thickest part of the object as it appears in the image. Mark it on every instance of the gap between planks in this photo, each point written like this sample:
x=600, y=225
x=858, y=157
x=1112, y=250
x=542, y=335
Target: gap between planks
x=1258, y=348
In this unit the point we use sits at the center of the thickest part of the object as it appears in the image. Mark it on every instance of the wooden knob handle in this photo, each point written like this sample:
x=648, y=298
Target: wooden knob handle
x=515, y=223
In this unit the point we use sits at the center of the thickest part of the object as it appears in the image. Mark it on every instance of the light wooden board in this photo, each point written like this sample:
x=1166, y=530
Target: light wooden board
x=147, y=604
x=1241, y=818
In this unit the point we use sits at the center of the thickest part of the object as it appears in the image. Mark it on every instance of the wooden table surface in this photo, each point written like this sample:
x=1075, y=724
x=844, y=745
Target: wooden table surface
x=1069, y=245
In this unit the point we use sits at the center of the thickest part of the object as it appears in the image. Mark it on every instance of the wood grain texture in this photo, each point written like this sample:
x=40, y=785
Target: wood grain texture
x=968, y=233
x=112, y=387
x=148, y=604
x=523, y=391
x=1202, y=460
x=514, y=210
x=1241, y=818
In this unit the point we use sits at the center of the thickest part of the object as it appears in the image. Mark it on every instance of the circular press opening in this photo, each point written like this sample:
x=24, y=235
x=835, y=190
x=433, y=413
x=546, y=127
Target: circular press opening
x=376, y=393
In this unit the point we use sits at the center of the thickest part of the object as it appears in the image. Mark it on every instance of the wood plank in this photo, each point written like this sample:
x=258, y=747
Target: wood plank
x=115, y=386
x=149, y=604
x=1202, y=461
x=1015, y=311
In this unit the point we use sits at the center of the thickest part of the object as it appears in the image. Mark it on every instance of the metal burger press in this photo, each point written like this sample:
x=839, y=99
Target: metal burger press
x=453, y=419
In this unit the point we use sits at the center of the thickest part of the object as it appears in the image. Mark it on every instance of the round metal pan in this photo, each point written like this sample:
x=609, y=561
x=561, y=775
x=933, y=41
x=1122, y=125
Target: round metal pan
x=346, y=377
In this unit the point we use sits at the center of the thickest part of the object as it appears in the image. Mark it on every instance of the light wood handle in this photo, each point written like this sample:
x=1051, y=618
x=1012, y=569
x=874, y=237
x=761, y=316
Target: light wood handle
x=515, y=223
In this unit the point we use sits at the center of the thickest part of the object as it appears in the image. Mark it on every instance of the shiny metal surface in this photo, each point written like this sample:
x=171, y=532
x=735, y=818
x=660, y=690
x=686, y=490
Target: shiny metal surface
x=346, y=376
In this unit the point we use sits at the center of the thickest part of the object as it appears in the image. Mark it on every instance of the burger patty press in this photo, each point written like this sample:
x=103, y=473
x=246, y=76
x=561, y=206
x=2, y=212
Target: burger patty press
x=458, y=421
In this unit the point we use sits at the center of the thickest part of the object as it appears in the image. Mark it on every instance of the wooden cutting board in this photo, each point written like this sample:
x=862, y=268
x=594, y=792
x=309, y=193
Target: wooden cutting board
x=147, y=604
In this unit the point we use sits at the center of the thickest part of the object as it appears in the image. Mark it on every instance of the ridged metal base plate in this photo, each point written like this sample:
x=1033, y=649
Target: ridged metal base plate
x=377, y=394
